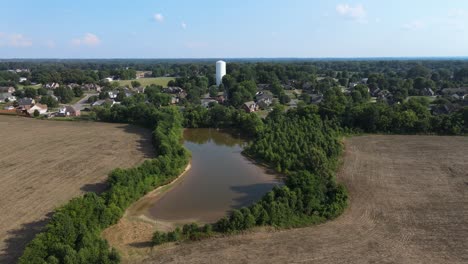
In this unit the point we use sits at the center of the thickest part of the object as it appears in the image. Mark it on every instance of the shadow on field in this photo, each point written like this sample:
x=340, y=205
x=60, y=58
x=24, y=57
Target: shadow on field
x=145, y=244
x=95, y=187
x=19, y=238
x=144, y=145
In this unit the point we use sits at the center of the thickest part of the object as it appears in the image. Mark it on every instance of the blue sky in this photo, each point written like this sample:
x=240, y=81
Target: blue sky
x=227, y=28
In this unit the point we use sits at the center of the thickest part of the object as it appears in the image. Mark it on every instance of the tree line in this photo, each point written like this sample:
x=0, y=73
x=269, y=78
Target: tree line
x=73, y=233
x=303, y=147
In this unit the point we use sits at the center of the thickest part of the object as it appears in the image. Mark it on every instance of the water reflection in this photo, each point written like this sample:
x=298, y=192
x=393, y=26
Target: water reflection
x=220, y=180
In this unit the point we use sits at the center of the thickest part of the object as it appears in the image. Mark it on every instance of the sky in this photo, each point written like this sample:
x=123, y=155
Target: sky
x=232, y=29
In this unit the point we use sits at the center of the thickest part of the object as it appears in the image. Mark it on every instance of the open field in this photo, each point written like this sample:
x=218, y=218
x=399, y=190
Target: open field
x=408, y=204
x=43, y=164
x=148, y=81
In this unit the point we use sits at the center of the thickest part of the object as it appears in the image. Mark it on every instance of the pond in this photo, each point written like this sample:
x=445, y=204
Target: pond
x=220, y=179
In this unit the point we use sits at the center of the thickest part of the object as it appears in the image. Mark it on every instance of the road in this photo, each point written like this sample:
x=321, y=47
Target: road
x=80, y=104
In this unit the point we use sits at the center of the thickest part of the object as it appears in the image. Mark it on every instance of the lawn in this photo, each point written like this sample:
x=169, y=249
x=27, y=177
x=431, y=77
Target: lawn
x=148, y=81
x=36, y=86
x=430, y=98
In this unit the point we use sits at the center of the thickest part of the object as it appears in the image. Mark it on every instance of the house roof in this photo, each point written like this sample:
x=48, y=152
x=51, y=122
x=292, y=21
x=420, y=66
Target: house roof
x=70, y=109
x=25, y=101
x=249, y=104
x=41, y=106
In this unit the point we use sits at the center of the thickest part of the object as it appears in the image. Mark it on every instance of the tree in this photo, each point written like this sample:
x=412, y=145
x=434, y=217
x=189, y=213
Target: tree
x=92, y=99
x=135, y=84
x=49, y=101
x=461, y=75
x=284, y=98
x=36, y=113
x=30, y=92
x=213, y=90
x=41, y=91
x=418, y=71
x=64, y=94
x=77, y=91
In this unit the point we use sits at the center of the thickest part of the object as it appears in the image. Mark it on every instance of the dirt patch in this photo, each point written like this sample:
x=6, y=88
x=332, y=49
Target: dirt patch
x=409, y=204
x=43, y=164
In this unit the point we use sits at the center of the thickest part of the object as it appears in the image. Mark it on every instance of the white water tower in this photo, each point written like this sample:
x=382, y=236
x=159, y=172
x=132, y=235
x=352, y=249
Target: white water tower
x=220, y=72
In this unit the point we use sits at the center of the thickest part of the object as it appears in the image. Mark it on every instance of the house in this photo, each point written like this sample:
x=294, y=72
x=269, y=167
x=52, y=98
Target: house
x=263, y=86
x=364, y=80
x=109, y=79
x=113, y=94
x=140, y=89
x=68, y=110
x=427, y=92
x=51, y=86
x=173, y=90
x=316, y=98
x=174, y=99
x=72, y=85
x=39, y=107
x=22, y=79
x=220, y=98
x=205, y=102
x=352, y=85
x=144, y=74
x=24, y=102
x=91, y=87
x=293, y=103
x=7, y=97
x=264, y=99
x=102, y=102
x=9, y=107
x=250, y=106
x=8, y=89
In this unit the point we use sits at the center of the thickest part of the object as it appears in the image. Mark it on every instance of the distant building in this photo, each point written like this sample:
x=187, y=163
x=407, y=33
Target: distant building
x=51, y=86
x=24, y=102
x=68, y=111
x=22, y=79
x=250, y=106
x=102, y=102
x=7, y=97
x=9, y=89
x=39, y=107
x=264, y=99
x=220, y=72
x=143, y=74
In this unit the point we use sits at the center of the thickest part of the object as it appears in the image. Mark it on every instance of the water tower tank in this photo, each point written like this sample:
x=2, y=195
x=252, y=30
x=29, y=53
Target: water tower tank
x=220, y=72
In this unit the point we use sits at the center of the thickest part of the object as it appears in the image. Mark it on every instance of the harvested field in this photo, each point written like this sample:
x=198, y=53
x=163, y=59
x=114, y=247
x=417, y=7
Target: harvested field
x=43, y=164
x=409, y=204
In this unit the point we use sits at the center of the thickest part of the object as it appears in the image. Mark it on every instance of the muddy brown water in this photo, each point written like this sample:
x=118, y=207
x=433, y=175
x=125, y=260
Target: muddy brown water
x=220, y=179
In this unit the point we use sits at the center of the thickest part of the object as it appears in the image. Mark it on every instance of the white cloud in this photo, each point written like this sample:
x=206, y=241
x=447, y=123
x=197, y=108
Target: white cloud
x=357, y=13
x=414, y=25
x=14, y=40
x=183, y=25
x=88, y=39
x=158, y=17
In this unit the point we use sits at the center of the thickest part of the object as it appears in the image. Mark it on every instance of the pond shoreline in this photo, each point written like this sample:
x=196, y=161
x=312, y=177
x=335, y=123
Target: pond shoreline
x=134, y=213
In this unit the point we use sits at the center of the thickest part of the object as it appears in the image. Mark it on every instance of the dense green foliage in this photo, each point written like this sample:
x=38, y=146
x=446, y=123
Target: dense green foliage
x=73, y=233
x=410, y=117
x=64, y=94
x=49, y=101
x=303, y=147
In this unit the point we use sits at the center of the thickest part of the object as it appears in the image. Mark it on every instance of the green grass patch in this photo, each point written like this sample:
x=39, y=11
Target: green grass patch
x=163, y=81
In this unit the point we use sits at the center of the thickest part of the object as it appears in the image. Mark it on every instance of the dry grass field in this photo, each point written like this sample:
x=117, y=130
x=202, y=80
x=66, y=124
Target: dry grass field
x=43, y=164
x=409, y=204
